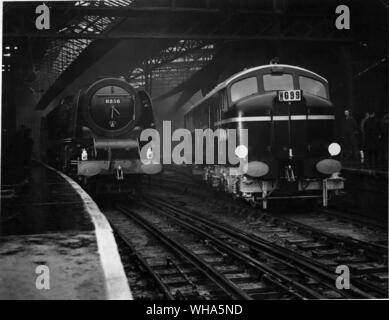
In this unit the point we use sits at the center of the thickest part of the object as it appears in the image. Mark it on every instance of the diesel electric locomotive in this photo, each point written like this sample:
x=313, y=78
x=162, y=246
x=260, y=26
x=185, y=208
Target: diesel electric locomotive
x=94, y=136
x=289, y=117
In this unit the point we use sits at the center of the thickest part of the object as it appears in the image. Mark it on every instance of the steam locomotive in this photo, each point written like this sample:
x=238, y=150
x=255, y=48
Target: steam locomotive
x=94, y=136
x=291, y=152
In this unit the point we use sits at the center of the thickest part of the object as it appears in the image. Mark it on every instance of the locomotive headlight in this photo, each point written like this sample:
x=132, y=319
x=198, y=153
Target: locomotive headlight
x=241, y=151
x=334, y=149
x=84, y=155
x=149, y=153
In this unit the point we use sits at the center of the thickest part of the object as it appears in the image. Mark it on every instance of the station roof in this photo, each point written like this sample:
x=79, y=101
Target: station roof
x=182, y=36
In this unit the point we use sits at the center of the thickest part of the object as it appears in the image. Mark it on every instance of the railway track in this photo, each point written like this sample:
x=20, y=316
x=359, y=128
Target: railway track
x=311, y=250
x=173, y=268
x=360, y=220
x=196, y=270
x=204, y=265
x=318, y=222
x=295, y=281
x=332, y=220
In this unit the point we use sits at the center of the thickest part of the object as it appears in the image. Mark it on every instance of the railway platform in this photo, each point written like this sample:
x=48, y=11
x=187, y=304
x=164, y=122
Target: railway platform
x=55, y=243
x=366, y=190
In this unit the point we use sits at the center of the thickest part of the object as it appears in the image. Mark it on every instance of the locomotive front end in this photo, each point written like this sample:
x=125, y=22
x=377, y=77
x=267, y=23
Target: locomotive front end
x=291, y=148
x=102, y=146
x=289, y=119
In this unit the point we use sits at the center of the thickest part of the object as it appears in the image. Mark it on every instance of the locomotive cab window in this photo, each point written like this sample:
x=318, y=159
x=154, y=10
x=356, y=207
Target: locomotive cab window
x=274, y=82
x=244, y=88
x=312, y=86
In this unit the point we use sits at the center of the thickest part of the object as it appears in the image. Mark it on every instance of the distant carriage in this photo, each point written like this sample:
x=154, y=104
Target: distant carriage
x=291, y=152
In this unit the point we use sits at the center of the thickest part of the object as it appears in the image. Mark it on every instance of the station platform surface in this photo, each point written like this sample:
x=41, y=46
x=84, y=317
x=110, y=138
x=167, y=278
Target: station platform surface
x=55, y=243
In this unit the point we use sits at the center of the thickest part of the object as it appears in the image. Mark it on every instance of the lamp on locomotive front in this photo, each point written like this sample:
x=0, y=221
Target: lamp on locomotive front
x=334, y=149
x=241, y=151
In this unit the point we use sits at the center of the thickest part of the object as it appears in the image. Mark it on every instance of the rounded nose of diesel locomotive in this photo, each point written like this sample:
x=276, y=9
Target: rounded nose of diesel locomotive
x=257, y=169
x=328, y=166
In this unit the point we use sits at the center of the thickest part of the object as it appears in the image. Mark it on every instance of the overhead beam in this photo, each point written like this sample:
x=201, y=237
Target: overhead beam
x=170, y=57
x=126, y=11
x=132, y=10
x=84, y=61
x=172, y=36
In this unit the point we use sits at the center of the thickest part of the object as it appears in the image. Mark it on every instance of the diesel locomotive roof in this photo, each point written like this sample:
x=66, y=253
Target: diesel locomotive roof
x=244, y=73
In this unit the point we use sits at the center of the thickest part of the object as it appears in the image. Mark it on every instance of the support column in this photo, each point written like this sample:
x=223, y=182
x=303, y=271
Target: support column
x=349, y=77
x=148, y=73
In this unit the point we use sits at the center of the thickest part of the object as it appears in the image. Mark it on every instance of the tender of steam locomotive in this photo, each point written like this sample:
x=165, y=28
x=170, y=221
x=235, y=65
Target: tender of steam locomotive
x=291, y=152
x=97, y=132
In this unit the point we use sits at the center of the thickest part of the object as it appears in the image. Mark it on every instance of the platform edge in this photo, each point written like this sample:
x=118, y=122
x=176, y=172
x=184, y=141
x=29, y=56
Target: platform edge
x=116, y=284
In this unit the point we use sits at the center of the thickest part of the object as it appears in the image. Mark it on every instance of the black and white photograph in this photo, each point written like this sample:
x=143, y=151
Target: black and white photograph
x=190, y=155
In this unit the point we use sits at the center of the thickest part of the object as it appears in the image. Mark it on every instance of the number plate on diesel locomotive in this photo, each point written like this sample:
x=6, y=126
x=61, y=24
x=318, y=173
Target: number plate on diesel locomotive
x=289, y=95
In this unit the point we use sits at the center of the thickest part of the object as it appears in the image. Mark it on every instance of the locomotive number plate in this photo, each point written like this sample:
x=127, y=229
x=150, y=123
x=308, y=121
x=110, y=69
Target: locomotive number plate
x=111, y=101
x=289, y=95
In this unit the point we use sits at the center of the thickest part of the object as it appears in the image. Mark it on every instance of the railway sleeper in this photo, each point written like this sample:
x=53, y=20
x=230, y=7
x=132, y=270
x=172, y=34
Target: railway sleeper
x=381, y=277
x=173, y=272
x=154, y=255
x=180, y=281
x=312, y=246
x=351, y=259
x=156, y=262
x=212, y=259
x=283, y=235
x=161, y=264
x=298, y=241
x=250, y=287
x=330, y=294
x=268, y=295
x=360, y=269
x=226, y=269
x=240, y=277
x=325, y=253
x=181, y=293
x=311, y=281
x=201, y=252
x=273, y=230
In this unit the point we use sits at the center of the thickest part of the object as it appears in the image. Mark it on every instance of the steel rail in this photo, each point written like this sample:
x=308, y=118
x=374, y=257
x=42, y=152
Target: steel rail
x=144, y=264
